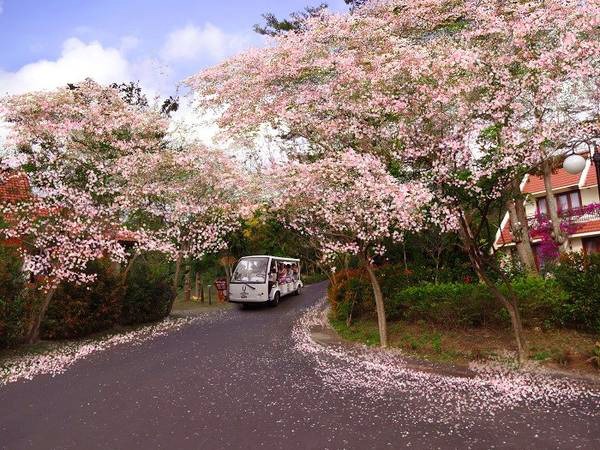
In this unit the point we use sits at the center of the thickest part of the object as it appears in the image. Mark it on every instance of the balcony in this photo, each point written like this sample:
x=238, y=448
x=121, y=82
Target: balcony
x=570, y=217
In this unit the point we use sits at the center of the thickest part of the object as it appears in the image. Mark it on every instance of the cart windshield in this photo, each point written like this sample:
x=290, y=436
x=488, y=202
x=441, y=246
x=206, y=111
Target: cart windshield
x=251, y=270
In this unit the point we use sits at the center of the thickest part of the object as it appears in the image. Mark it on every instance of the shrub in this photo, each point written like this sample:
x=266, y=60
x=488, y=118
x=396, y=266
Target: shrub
x=350, y=294
x=149, y=291
x=540, y=301
x=80, y=310
x=448, y=304
x=15, y=298
x=445, y=304
x=14, y=315
x=579, y=276
x=473, y=305
x=352, y=291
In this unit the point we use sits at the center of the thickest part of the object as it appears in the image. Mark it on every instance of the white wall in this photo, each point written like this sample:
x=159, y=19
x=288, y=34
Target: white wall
x=576, y=244
x=530, y=206
x=589, y=195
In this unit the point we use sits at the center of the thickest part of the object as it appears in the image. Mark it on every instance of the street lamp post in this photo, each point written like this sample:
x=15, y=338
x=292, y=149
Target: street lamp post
x=596, y=159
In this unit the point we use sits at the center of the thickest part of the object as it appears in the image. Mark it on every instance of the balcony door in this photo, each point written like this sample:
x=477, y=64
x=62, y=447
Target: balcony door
x=591, y=245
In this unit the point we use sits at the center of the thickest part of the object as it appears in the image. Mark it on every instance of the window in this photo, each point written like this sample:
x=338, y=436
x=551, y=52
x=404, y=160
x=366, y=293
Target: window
x=251, y=270
x=542, y=206
x=566, y=201
x=591, y=245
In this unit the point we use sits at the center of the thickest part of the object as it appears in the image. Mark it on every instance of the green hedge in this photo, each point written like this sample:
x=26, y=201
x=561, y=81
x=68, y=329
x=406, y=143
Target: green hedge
x=149, y=290
x=79, y=310
x=579, y=276
x=569, y=296
x=15, y=298
x=352, y=293
x=473, y=305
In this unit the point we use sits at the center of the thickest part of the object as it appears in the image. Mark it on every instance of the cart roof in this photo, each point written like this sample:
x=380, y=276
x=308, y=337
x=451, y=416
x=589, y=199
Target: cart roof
x=281, y=258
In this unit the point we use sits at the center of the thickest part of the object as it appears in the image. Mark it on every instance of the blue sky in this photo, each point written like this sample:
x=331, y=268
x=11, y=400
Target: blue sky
x=45, y=43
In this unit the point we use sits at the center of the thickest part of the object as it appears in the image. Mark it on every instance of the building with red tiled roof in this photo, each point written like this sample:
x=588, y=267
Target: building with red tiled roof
x=576, y=195
x=589, y=176
x=15, y=187
x=562, y=179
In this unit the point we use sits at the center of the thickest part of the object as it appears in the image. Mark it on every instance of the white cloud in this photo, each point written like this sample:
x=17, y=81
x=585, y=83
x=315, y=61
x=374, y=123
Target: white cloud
x=1, y=6
x=129, y=43
x=192, y=43
x=77, y=61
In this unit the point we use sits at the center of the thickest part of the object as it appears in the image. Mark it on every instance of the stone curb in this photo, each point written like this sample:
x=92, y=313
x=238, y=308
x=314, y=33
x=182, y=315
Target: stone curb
x=325, y=335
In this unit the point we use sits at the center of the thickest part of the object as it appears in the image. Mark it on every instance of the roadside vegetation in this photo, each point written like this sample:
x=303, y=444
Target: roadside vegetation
x=404, y=144
x=458, y=321
x=107, y=305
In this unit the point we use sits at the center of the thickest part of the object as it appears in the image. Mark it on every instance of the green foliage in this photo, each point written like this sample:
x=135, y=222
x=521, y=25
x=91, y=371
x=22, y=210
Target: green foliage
x=540, y=301
x=11, y=276
x=579, y=276
x=296, y=21
x=149, y=291
x=13, y=298
x=595, y=357
x=448, y=305
x=460, y=305
x=79, y=310
x=352, y=293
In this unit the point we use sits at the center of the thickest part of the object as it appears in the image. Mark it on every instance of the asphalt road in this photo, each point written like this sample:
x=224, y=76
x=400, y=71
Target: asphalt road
x=239, y=381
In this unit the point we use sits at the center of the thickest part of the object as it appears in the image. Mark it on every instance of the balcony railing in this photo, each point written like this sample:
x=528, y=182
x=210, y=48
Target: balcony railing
x=583, y=214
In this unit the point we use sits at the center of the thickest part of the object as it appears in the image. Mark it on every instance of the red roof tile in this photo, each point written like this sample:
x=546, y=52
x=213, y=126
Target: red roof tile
x=560, y=179
x=15, y=187
x=506, y=236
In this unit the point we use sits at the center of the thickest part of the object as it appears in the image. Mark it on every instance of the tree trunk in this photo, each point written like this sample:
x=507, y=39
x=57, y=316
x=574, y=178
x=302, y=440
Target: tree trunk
x=127, y=270
x=560, y=238
x=380, y=306
x=187, y=288
x=175, y=282
x=201, y=290
x=33, y=333
x=197, y=287
x=227, y=278
x=510, y=304
x=520, y=231
x=177, y=273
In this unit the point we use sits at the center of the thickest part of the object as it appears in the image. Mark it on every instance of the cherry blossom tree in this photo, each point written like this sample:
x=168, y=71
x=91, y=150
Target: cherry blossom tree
x=464, y=97
x=349, y=204
x=540, y=62
x=189, y=200
x=76, y=145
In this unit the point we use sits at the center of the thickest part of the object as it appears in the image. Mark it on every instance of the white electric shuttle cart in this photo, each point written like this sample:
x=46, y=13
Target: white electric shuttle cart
x=264, y=279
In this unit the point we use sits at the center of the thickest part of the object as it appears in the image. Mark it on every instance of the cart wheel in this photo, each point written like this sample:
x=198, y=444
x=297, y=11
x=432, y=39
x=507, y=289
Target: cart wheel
x=275, y=300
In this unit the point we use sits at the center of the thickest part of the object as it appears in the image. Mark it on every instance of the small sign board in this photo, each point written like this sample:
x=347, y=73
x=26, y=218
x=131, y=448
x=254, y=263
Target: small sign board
x=221, y=285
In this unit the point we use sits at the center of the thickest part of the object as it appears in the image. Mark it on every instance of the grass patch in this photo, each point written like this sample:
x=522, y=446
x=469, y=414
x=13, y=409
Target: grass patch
x=364, y=332
x=565, y=349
